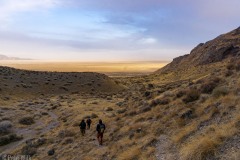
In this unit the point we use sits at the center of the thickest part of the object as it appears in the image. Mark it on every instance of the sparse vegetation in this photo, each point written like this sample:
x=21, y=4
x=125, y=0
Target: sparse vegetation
x=188, y=110
x=26, y=120
x=5, y=127
x=209, y=86
x=191, y=95
x=220, y=91
x=6, y=139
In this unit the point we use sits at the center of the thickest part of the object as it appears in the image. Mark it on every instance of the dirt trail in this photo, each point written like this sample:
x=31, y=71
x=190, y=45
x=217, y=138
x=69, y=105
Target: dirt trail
x=165, y=149
x=31, y=132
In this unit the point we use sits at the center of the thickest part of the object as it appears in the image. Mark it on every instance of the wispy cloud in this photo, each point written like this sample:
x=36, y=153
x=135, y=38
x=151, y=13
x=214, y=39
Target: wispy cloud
x=9, y=8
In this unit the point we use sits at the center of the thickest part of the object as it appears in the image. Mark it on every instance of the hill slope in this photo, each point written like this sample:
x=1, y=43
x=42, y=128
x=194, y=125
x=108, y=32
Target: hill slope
x=218, y=49
x=21, y=82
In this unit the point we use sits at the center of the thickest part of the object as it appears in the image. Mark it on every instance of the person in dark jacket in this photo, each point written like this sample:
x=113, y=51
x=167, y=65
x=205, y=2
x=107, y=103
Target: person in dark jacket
x=89, y=122
x=100, y=131
x=82, y=126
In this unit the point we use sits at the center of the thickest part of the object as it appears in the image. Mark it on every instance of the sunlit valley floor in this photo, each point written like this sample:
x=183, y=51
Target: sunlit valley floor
x=188, y=110
x=113, y=69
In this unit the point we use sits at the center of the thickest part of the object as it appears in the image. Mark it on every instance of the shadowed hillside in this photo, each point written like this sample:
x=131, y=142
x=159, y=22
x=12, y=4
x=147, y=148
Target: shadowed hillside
x=21, y=82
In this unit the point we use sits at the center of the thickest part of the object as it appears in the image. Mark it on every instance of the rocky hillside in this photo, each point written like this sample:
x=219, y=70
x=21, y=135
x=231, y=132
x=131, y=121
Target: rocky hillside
x=21, y=82
x=218, y=49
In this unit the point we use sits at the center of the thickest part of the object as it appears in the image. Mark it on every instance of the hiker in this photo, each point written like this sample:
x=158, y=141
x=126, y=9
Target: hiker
x=89, y=121
x=100, y=130
x=82, y=126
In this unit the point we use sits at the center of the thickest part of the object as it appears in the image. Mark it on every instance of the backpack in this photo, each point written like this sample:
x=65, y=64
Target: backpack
x=82, y=125
x=102, y=128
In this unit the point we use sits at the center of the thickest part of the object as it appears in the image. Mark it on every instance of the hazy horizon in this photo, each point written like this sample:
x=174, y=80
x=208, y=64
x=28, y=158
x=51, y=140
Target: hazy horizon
x=124, y=68
x=91, y=30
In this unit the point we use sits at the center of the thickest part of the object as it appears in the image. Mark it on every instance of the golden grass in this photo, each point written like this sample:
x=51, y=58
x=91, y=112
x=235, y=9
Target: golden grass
x=192, y=142
x=229, y=98
x=205, y=145
x=199, y=149
x=185, y=131
x=130, y=154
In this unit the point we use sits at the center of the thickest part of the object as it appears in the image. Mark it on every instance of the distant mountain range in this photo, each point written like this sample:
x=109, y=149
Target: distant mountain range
x=3, y=57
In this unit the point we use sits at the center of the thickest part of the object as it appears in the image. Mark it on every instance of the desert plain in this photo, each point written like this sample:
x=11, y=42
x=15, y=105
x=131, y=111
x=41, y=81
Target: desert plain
x=122, y=68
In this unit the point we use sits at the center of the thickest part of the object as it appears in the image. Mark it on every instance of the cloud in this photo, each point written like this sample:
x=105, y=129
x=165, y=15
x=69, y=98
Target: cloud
x=84, y=26
x=126, y=5
x=148, y=41
x=9, y=8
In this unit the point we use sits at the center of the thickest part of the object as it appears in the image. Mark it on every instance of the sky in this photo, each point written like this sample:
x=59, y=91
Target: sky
x=111, y=30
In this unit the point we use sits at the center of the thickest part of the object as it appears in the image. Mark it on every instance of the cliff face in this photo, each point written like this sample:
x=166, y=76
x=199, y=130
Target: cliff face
x=218, y=49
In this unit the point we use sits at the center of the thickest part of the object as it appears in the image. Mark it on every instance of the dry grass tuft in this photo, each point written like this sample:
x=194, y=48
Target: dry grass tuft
x=132, y=153
x=209, y=85
x=205, y=146
x=191, y=95
x=200, y=148
x=220, y=91
x=184, y=133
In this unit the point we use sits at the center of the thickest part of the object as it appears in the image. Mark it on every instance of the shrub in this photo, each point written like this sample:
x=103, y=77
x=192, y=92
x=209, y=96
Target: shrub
x=215, y=79
x=237, y=66
x=168, y=94
x=228, y=73
x=29, y=150
x=180, y=93
x=147, y=94
x=187, y=114
x=159, y=101
x=230, y=66
x=66, y=133
x=191, y=95
x=68, y=140
x=109, y=109
x=94, y=115
x=221, y=91
x=5, y=127
x=4, y=140
x=26, y=120
x=132, y=113
x=120, y=111
x=208, y=87
x=163, y=101
x=145, y=109
x=199, y=149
